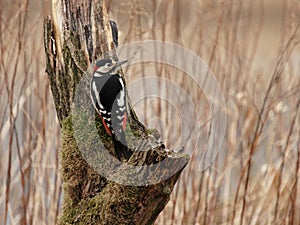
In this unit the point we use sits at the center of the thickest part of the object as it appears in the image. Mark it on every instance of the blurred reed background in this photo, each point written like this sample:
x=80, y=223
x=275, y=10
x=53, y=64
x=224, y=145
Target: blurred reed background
x=250, y=46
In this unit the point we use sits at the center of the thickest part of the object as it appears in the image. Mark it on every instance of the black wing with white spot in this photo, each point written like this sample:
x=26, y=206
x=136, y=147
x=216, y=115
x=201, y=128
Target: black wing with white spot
x=109, y=98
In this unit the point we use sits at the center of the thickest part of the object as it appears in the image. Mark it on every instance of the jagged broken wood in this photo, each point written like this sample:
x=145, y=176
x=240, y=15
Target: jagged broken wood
x=75, y=35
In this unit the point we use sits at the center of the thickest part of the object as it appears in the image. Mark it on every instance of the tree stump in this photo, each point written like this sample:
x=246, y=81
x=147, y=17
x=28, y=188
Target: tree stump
x=75, y=35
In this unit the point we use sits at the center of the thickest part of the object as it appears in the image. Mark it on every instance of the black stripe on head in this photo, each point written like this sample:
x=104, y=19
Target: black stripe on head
x=102, y=62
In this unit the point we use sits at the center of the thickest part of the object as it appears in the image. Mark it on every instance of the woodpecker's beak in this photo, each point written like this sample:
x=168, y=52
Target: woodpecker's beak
x=120, y=63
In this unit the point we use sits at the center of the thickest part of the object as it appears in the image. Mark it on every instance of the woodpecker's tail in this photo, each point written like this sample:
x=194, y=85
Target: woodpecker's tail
x=121, y=149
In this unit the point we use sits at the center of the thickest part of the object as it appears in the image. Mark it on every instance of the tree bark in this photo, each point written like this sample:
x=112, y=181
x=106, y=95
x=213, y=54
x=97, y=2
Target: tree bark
x=75, y=35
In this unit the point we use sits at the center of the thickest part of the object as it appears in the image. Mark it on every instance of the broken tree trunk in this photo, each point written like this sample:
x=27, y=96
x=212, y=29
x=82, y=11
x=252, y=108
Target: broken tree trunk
x=75, y=35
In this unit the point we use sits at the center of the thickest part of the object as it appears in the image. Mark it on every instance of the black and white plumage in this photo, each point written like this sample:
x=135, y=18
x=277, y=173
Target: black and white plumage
x=109, y=99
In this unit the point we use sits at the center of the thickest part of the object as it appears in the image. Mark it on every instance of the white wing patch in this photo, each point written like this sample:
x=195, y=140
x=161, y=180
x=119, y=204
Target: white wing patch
x=120, y=117
x=121, y=100
x=97, y=96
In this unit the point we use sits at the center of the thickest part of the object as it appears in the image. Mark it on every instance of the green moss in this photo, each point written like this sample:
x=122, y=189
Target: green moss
x=81, y=182
x=81, y=209
x=86, y=212
x=105, y=206
x=167, y=190
x=90, y=199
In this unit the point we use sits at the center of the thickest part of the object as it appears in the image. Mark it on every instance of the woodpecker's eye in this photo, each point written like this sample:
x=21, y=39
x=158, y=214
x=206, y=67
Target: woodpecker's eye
x=108, y=64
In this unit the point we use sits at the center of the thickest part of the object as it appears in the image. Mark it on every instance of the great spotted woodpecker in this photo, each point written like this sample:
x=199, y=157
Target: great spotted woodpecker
x=109, y=99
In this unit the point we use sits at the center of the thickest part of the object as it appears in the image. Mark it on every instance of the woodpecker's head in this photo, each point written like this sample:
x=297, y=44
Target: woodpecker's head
x=107, y=66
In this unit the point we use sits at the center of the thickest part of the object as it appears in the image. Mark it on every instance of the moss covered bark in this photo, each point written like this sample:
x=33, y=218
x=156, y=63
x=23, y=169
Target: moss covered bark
x=72, y=43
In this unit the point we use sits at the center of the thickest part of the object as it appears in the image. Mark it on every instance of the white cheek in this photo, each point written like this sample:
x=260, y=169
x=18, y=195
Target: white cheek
x=102, y=70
